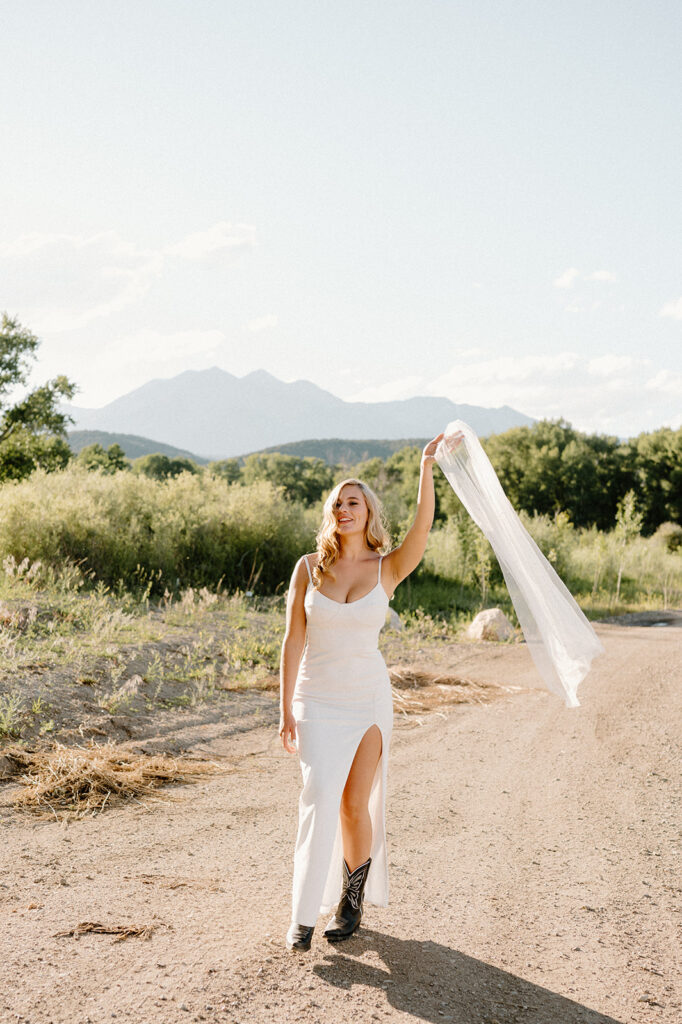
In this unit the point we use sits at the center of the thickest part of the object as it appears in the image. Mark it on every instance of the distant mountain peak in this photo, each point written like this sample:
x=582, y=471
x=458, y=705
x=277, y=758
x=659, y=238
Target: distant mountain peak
x=218, y=415
x=260, y=375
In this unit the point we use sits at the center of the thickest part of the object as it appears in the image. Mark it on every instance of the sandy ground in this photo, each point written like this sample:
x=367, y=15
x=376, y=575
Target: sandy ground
x=534, y=871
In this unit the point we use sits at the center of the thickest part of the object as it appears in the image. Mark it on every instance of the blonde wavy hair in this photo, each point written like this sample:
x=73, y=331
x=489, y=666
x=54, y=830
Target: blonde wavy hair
x=376, y=535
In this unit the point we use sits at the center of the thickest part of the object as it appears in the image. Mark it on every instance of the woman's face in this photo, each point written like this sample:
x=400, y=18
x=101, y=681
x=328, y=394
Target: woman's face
x=351, y=511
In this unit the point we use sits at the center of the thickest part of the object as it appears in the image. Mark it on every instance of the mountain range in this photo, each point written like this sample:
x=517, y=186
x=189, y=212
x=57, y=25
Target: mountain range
x=217, y=415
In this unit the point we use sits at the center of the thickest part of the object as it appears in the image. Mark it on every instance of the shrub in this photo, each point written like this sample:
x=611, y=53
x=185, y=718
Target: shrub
x=130, y=529
x=669, y=535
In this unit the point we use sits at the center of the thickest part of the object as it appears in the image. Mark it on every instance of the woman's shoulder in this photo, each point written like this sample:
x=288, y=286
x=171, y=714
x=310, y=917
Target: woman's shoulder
x=307, y=563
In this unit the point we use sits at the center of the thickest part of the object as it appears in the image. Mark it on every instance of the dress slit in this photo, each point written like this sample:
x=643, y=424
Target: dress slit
x=376, y=890
x=318, y=876
x=342, y=690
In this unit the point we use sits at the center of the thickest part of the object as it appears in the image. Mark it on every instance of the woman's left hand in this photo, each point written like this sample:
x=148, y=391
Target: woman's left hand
x=429, y=452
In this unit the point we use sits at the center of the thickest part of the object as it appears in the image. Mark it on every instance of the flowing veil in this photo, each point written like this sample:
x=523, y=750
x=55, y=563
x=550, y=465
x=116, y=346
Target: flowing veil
x=559, y=637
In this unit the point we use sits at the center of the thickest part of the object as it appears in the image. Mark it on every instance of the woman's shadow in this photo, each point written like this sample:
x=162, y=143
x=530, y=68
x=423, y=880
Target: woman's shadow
x=436, y=983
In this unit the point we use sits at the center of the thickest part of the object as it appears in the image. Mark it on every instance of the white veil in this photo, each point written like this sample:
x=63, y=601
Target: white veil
x=560, y=639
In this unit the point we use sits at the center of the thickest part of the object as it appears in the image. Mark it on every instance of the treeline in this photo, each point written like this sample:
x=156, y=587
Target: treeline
x=551, y=467
x=143, y=536
x=606, y=513
x=545, y=469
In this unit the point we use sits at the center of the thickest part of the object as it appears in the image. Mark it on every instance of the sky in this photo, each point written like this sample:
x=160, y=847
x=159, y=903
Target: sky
x=470, y=198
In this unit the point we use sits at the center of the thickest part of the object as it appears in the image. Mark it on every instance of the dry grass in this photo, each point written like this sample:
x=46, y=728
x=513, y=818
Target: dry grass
x=416, y=691
x=78, y=781
x=178, y=882
x=121, y=931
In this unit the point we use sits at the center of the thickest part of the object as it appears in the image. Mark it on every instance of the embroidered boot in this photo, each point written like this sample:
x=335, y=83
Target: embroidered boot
x=299, y=936
x=349, y=911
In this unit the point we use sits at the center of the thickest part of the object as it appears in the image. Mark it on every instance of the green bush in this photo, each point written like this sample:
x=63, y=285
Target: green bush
x=670, y=536
x=589, y=561
x=130, y=529
x=137, y=533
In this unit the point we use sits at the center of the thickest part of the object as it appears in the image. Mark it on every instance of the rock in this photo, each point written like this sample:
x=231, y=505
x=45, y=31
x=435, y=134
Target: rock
x=492, y=624
x=393, y=620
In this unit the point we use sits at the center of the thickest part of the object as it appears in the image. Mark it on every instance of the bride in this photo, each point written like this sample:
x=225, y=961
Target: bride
x=336, y=703
x=335, y=693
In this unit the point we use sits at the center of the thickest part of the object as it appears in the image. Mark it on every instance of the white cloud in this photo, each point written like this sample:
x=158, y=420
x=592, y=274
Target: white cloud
x=672, y=309
x=504, y=372
x=666, y=381
x=218, y=238
x=609, y=365
x=567, y=279
x=63, y=282
x=603, y=393
x=570, y=276
x=468, y=352
x=159, y=349
x=130, y=360
x=391, y=391
x=601, y=275
x=262, y=323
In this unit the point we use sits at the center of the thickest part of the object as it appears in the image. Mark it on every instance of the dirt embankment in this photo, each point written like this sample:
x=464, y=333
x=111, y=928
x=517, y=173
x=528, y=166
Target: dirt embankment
x=533, y=867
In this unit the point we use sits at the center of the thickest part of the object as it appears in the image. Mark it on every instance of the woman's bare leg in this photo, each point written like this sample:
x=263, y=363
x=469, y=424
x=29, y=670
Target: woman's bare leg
x=356, y=824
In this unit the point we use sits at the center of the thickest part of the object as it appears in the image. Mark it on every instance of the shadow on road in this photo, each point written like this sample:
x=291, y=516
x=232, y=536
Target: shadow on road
x=435, y=983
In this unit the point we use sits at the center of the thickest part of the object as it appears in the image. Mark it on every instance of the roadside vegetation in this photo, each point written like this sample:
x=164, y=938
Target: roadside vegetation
x=131, y=587
x=122, y=595
x=144, y=536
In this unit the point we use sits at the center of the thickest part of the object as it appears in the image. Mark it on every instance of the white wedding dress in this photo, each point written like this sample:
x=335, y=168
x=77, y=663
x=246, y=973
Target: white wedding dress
x=342, y=689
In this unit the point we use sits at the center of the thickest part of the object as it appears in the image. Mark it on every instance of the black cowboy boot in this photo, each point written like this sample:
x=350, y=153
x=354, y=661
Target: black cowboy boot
x=349, y=911
x=299, y=936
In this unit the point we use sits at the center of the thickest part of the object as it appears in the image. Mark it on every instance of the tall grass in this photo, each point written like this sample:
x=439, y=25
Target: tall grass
x=589, y=561
x=140, y=535
x=131, y=530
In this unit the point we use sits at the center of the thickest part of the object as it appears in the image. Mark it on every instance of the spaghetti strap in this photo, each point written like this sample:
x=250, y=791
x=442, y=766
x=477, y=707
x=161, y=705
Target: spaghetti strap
x=381, y=558
x=305, y=559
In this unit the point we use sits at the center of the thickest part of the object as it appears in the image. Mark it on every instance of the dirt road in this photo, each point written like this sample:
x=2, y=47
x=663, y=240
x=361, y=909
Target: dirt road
x=534, y=873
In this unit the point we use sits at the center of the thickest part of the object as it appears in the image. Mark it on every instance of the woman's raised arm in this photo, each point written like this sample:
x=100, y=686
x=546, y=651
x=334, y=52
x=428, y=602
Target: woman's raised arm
x=407, y=556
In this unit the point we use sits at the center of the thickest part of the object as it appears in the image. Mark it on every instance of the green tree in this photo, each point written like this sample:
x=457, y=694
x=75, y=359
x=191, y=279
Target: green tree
x=32, y=430
x=658, y=460
x=550, y=467
x=628, y=526
x=304, y=480
x=109, y=460
x=160, y=467
x=228, y=469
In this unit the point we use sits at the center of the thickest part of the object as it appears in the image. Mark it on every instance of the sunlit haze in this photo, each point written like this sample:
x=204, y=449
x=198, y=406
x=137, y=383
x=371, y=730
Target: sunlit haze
x=391, y=198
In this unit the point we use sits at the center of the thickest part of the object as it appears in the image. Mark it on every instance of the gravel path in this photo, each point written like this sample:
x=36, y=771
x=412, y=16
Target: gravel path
x=533, y=866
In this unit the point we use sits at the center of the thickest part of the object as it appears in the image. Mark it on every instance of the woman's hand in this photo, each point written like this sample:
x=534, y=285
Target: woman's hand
x=287, y=730
x=453, y=441
x=429, y=452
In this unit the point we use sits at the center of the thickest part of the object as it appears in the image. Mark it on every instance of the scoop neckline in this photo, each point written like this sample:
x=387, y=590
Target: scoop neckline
x=357, y=600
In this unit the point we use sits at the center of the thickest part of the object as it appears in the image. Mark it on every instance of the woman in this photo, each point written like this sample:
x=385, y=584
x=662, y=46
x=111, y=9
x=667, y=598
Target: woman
x=336, y=705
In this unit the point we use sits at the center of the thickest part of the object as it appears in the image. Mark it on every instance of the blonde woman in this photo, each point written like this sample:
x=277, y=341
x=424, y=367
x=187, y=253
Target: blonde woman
x=336, y=704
